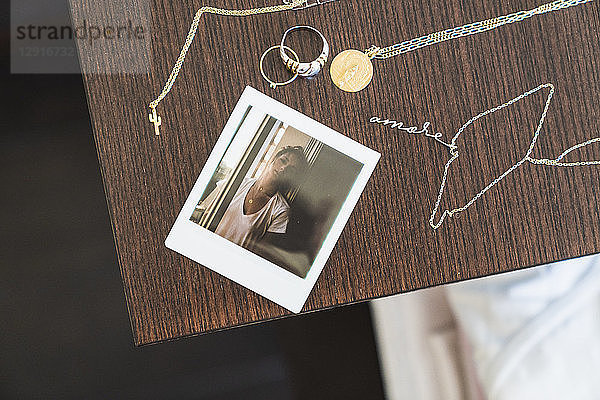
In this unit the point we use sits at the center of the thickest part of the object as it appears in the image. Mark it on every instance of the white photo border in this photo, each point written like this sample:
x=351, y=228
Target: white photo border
x=241, y=265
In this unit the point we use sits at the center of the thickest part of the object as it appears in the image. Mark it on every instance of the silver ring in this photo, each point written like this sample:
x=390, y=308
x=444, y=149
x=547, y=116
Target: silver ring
x=304, y=69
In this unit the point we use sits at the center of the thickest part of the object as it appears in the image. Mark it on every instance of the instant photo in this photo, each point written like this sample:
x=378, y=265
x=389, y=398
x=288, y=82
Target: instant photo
x=272, y=200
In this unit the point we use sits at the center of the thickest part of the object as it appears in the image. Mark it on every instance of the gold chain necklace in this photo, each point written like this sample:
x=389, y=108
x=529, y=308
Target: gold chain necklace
x=288, y=5
x=352, y=70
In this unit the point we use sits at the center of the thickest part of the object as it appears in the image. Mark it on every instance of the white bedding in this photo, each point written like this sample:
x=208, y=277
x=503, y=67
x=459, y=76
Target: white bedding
x=535, y=334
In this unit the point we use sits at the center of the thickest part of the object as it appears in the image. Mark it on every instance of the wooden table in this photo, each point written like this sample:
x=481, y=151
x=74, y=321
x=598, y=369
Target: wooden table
x=536, y=215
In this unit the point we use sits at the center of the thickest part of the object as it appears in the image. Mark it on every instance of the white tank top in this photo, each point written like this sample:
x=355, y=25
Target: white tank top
x=246, y=230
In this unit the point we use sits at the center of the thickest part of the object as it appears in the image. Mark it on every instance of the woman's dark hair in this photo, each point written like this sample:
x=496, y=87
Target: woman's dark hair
x=298, y=151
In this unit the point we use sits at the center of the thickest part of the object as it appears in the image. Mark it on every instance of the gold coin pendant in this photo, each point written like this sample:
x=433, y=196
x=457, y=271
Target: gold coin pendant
x=351, y=70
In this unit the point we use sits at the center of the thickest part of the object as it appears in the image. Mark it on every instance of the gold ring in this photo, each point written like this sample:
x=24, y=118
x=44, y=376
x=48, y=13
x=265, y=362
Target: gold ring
x=272, y=83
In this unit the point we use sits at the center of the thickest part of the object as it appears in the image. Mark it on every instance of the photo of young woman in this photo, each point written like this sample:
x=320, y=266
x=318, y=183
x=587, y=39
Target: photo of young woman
x=272, y=199
x=259, y=211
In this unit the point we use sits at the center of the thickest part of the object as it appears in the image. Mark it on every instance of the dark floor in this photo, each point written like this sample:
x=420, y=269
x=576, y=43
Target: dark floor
x=66, y=332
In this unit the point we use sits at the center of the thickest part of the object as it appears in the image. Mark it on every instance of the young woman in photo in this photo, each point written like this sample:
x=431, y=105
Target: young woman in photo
x=258, y=212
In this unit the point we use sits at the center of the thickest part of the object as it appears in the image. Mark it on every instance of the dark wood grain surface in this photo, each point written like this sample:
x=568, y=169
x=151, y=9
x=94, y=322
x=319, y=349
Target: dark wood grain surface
x=537, y=215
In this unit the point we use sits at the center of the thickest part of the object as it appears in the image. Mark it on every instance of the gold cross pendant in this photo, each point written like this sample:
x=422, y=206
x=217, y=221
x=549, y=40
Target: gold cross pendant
x=156, y=120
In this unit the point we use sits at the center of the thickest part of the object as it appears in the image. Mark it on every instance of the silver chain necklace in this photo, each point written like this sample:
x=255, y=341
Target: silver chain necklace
x=454, y=152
